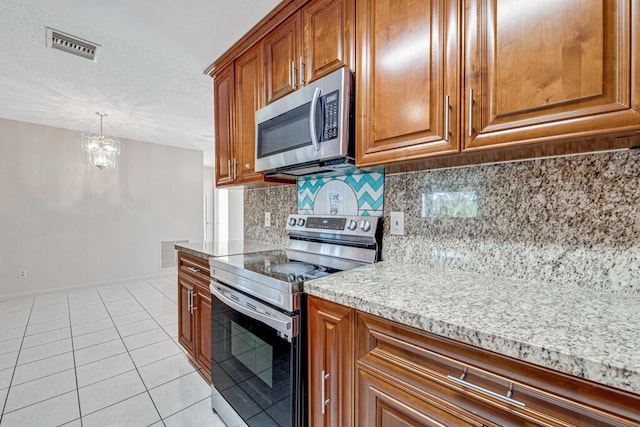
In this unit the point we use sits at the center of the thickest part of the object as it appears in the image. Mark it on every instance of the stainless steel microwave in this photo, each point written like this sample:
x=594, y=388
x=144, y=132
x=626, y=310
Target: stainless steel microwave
x=308, y=131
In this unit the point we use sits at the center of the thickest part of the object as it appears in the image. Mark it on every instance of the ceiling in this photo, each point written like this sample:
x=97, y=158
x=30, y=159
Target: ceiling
x=148, y=74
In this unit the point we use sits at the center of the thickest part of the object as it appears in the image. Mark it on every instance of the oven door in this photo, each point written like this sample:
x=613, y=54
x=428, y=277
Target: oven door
x=257, y=370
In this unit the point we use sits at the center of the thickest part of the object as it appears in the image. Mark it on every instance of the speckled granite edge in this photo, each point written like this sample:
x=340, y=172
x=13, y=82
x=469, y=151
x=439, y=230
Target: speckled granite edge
x=612, y=374
x=193, y=252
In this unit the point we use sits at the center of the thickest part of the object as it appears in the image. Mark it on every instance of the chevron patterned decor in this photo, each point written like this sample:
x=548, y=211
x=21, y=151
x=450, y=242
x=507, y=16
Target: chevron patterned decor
x=367, y=187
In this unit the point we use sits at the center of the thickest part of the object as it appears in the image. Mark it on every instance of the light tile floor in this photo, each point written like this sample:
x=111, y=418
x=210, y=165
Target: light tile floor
x=97, y=357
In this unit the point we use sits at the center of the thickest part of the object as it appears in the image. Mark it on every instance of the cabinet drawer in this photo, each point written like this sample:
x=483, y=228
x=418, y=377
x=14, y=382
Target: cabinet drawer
x=491, y=384
x=382, y=402
x=195, y=268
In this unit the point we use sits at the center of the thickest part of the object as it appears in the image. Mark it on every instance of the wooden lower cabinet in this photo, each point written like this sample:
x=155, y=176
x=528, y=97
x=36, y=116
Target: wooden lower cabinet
x=403, y=376
x=381, y=402
x=331, y=361
x=186, y=327
x=194, y=311
x=203, y=331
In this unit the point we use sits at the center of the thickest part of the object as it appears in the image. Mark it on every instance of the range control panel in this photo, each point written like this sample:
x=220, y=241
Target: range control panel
x=339, y=225
x=323, y=223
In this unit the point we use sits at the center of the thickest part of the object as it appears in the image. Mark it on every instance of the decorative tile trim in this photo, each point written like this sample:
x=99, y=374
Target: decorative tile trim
x=367, y=186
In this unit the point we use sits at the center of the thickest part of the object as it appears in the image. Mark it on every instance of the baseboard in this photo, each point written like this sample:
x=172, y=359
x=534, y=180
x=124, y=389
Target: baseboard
x=168, y=272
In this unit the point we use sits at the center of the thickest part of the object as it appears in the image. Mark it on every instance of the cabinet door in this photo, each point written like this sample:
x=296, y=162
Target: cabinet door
x=407, y=79
x=328, y=29
x=281, y=57
x=186, y=327
x=223, y=114
x=331, y=361
x=249, y=96
x=203, y=332
x=383, y=404
x=542, y=72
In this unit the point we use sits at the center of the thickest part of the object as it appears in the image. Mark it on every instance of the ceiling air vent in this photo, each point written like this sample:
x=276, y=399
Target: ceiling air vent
x=72, y=44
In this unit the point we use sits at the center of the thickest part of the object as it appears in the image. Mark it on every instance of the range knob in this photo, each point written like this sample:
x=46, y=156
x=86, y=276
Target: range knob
x=292, y=221
x=301, y=222
x=352, y=225
x=365, y=225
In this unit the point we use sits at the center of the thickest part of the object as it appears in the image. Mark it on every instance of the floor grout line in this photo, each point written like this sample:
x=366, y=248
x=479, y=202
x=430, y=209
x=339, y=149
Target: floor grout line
x=15, y=364
x=158, y=294
x=75, y=370
x=45, y=376
x=41, y=401
x=136, y=366
x=184, y=409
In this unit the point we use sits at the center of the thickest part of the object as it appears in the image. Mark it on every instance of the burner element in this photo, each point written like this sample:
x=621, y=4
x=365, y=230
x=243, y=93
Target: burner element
x=296, y=268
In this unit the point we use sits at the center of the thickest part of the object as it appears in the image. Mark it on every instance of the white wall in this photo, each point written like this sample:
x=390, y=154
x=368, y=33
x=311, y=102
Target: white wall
x=236, y=214
x=228, y=211
x=70, y=224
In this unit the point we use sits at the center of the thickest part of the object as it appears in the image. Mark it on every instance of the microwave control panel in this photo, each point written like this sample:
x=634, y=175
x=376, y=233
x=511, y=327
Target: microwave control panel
x=331, y=113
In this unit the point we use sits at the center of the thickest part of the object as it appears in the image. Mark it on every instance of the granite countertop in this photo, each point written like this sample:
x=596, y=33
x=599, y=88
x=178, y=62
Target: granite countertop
x=224, y=248
x=590, y=334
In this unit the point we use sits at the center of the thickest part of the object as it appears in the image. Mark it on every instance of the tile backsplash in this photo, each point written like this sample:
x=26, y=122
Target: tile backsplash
x=571, y=219
x=354, y=194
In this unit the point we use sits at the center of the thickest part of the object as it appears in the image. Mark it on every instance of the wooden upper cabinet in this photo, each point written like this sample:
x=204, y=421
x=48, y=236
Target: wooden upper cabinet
x=407, y=77
x=223, y=88
x=281, y=58
x=328, y=37
x=249, y=97
x=537, y=71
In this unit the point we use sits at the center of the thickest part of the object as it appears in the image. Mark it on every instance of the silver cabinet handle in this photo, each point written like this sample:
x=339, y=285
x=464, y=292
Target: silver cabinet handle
x=312, y=118
x=302, y=80
x=189, y=300
x=294, y=84
x=193, y=269
x=229, y=168
x=193, y=306
x=446, y=118
x=461, y=381
x=235, y=168
x=470, y=112
x=324, y=377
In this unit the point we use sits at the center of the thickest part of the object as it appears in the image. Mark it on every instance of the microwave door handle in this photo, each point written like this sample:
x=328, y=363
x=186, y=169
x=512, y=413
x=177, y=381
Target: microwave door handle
x=284, y=327
x=312, y=118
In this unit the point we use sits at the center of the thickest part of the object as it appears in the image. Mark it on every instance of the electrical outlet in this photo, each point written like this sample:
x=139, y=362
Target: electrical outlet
x=22, y=274
x=267, y=219
x=397, y=223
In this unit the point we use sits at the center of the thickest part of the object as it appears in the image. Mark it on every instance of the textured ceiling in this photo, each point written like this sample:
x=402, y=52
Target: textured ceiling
x=148, y=74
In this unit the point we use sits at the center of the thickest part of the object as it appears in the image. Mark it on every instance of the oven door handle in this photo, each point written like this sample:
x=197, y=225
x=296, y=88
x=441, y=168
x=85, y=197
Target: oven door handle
x=284, y=327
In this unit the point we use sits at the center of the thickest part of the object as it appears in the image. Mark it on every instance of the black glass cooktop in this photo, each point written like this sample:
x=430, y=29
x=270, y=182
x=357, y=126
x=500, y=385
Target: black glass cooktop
x=279, y=265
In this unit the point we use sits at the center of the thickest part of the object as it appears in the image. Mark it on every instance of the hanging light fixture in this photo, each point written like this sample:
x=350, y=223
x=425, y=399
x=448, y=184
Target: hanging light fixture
x=102, y=151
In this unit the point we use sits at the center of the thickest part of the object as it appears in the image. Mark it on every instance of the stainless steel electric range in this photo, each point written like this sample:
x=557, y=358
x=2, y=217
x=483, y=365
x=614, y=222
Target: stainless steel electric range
x=258, y=316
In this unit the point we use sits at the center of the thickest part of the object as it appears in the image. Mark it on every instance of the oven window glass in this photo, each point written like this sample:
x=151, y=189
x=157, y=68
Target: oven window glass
x=285, y=132
x=255, y=370
x=255, y=354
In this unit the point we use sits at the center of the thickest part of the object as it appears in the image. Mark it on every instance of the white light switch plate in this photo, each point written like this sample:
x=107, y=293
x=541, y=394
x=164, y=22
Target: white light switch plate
x=267, y=219
x=397, y=223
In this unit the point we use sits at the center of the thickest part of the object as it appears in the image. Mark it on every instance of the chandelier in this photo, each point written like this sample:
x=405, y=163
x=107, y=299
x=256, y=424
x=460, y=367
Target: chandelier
x=102, y=151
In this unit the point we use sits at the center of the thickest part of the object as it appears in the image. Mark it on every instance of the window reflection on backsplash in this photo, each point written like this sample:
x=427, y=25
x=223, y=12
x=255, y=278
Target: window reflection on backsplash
x=452, y=204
